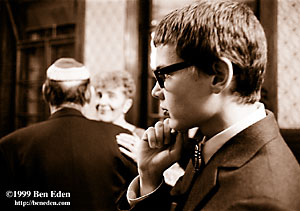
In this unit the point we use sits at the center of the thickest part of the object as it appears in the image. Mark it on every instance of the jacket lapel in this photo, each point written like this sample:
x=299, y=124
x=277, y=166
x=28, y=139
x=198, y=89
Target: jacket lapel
x=184, y=183
x=235, y=153
x=204, y=184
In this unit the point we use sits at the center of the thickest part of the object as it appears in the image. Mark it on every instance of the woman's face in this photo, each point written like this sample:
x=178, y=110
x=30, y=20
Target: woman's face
x=111, y=104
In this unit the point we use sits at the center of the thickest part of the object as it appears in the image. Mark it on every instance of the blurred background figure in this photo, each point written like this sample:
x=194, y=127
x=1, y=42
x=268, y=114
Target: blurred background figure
x=112, y=99
x=67, y=152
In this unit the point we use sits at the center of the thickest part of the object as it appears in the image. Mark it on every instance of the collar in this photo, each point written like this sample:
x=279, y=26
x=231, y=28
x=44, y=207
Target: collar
x=66, y=111
x=212, y=145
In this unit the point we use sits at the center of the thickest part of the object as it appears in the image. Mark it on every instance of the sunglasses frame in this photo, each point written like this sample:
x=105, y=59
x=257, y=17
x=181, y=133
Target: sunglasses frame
x=159, y=73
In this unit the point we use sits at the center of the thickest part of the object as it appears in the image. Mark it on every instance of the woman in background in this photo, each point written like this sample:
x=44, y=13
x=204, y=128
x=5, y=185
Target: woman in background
x=113, y=98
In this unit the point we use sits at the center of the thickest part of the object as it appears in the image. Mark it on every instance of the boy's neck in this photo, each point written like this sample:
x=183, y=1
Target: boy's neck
x=229, y=114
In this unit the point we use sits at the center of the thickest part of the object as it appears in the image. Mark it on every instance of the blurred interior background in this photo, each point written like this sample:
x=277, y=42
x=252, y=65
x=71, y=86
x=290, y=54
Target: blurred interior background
x=116, y=35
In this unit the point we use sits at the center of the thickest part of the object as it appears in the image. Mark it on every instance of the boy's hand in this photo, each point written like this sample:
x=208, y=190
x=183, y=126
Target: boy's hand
x=157, y=151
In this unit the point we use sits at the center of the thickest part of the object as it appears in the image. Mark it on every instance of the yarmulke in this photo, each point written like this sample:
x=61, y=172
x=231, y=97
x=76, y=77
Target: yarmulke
x=67, y=69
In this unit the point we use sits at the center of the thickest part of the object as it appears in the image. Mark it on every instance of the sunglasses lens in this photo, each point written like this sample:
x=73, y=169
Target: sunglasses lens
x=160, y=73
x=160, y=80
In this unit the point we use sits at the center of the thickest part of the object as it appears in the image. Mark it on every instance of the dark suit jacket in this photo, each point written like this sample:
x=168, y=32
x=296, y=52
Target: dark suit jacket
x=67, y=153
x=255, y=170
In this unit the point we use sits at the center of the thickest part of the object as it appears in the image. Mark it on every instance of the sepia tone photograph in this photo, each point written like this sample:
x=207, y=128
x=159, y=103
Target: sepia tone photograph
x=169, y=105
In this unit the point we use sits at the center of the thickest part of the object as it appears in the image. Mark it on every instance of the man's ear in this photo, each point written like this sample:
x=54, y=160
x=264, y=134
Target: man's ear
x=127, y=105
x=43, y=88
x=223, y=74
x=90, y=91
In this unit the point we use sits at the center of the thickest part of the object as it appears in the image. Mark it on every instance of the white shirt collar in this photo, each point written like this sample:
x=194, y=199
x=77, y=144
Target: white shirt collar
x=212, y=145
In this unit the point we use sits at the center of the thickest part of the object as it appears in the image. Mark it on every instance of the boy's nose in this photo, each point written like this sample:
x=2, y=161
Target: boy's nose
x=157, y=92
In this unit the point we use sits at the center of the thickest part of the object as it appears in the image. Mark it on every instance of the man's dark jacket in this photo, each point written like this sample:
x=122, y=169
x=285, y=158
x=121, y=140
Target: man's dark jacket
x=66, y=153
x=254, y=170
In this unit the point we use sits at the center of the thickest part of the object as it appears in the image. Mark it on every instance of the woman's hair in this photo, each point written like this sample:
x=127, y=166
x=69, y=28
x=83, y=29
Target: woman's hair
x=59, y=92
x=208, y=30
x=114, y=79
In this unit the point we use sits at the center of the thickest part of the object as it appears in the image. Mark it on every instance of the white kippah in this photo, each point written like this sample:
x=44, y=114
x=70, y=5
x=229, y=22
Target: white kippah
x=67, y=69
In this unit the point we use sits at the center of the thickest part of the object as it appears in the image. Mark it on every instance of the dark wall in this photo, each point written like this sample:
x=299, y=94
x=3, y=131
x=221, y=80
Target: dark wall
x=292, y=138
x=32, y=33
x=7, y=71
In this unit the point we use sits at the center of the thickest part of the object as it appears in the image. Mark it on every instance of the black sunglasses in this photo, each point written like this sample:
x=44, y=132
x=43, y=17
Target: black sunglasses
x=160, y=72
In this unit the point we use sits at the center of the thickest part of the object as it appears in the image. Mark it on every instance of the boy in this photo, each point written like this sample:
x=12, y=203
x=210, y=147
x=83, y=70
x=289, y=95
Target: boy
x=211, y=59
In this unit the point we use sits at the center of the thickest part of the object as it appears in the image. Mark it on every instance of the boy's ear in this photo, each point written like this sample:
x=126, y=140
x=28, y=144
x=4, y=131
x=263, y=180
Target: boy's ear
x=223, y=74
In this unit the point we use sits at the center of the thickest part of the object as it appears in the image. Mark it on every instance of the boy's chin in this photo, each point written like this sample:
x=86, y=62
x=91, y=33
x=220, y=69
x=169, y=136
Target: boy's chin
x=177, y=125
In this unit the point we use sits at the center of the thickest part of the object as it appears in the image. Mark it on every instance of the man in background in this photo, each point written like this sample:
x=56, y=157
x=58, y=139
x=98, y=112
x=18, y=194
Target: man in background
x=67, y=153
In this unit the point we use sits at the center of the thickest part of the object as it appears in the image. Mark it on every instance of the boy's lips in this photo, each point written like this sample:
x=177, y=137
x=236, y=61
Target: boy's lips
x=165, y=112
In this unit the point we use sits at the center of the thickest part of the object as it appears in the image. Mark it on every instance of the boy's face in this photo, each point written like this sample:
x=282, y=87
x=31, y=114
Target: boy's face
x=186, y=97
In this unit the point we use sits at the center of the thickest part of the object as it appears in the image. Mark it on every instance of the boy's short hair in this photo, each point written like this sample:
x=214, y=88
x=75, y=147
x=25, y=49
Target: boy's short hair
x=115, y=79
x=205, y=31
